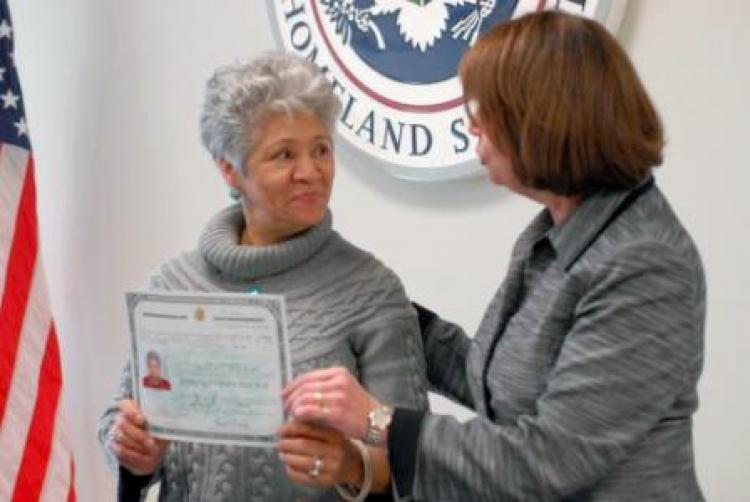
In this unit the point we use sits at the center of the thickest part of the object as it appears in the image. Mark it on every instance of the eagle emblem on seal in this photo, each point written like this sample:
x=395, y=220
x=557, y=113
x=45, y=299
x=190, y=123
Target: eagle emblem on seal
x=421, y=23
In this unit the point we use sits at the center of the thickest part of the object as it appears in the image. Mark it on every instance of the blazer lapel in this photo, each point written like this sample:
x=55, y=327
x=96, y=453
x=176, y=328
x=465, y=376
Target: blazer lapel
x=506, y=302
x=509, y=301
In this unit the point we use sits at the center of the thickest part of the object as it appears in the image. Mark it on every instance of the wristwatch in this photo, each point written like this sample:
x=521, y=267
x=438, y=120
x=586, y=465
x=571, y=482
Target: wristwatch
x=377, y=425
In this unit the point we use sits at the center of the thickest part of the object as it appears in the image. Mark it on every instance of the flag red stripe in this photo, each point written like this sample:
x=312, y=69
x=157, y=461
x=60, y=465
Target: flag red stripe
x=33, y=470
x=18, y=277
x=72, y=489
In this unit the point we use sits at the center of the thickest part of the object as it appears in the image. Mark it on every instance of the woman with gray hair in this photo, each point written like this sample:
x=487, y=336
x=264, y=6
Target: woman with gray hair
x=267, y=125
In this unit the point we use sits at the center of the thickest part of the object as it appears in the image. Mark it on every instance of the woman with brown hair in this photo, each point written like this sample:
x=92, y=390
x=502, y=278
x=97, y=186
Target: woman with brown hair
x=584, y=369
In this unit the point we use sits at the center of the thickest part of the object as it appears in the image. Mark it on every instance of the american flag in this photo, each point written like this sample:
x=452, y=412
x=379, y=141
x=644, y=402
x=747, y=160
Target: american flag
x=36, y=459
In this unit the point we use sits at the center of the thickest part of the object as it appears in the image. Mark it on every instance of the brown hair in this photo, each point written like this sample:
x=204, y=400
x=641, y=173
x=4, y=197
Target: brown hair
x=558, y=95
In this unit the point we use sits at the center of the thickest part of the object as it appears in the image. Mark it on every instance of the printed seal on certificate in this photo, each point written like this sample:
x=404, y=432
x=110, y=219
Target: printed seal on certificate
x=210, y=367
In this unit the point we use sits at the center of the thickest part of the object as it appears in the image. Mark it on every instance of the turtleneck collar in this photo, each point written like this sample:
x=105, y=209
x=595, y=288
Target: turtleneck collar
x=220, y=246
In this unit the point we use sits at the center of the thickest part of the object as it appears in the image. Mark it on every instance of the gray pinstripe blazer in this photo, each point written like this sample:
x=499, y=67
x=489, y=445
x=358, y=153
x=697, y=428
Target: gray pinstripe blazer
x=583, y=371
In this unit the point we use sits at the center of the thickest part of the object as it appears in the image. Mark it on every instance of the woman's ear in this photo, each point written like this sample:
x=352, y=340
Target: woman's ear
x=227, y=172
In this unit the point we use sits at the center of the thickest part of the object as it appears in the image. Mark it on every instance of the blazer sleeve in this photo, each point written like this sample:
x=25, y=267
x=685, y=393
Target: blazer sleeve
x=631, y=350
x=446, y=348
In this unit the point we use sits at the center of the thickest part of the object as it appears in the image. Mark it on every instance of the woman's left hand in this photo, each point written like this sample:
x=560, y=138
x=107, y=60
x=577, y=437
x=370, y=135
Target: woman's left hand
x=331, y=397
x=318, y=456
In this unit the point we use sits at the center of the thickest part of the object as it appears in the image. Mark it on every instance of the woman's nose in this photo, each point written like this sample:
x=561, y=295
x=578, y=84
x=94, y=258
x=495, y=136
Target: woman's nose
x=306, y=168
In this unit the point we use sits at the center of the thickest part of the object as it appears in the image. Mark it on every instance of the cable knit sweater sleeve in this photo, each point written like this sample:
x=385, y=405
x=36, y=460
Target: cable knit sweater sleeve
x=388, y=347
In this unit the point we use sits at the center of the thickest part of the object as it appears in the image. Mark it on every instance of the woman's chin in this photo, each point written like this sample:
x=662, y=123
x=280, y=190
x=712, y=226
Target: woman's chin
x=308, y=218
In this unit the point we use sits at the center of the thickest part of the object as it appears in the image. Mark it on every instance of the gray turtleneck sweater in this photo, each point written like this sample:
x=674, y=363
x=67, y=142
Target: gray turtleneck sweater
x=345, y=308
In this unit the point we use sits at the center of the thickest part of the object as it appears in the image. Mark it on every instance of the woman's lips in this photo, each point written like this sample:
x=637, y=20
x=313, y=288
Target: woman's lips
x=307, y=198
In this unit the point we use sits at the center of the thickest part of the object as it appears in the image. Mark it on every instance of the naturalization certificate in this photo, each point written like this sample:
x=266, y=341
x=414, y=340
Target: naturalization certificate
x=210, y=367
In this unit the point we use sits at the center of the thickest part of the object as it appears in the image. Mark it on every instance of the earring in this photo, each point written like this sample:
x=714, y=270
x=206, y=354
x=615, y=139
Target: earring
x=234, y=193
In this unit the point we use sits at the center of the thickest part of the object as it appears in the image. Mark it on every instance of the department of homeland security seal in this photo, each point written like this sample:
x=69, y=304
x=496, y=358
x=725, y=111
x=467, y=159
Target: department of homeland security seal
x=393, y=64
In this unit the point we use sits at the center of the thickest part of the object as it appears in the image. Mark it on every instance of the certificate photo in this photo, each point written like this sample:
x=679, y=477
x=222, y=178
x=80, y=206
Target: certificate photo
x=210, y=367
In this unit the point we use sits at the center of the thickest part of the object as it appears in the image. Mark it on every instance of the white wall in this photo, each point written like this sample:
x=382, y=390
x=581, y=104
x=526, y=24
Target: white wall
x=693, y=58
x=112, y=92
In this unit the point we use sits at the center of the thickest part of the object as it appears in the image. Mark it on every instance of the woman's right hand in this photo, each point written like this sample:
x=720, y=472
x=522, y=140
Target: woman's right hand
x=135, y=448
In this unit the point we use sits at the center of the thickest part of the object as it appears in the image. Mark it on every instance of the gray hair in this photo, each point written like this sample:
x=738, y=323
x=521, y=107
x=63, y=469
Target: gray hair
x=239, y=95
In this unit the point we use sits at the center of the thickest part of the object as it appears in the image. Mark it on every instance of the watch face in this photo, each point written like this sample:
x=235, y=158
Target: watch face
x=381, y=417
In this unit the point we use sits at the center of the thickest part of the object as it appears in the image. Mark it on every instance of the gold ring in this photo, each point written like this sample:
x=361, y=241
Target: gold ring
x=319, y=399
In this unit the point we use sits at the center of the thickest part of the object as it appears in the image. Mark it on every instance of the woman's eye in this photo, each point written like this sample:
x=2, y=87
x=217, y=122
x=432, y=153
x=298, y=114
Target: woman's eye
x=284, y=154
x=322, y=150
